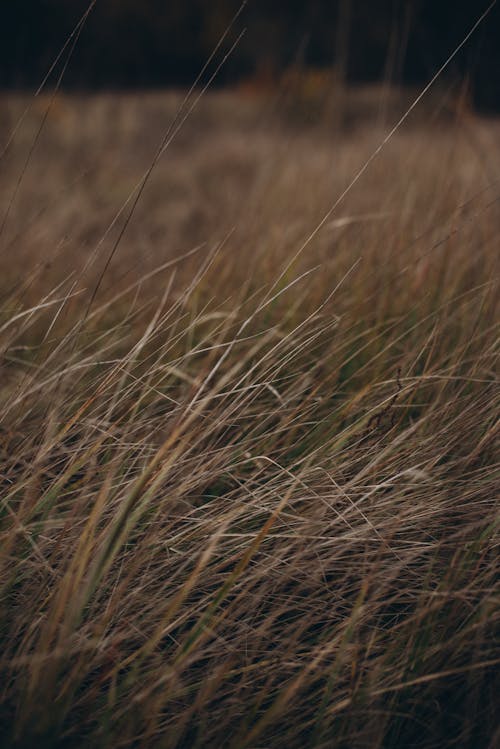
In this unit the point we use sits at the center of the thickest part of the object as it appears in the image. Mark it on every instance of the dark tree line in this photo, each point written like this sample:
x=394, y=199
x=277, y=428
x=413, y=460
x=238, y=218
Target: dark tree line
x=132, y=43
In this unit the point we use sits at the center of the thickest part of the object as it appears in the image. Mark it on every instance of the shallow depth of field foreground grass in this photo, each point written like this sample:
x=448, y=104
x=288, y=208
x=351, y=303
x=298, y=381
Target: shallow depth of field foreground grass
x=249, y=483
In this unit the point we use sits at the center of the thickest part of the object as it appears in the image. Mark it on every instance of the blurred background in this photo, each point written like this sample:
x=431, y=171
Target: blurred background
x=153, y=43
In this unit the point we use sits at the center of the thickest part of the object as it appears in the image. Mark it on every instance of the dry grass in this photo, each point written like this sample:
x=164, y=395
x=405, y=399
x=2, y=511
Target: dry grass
x=249, y=499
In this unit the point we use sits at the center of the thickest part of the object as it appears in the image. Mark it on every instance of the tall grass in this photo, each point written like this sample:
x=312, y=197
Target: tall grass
x=248, y=502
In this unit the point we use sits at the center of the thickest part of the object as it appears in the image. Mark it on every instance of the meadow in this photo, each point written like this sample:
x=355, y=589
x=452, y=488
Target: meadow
x=248, y=422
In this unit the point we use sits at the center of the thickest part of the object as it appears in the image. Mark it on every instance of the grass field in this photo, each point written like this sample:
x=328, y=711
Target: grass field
x=249, y=425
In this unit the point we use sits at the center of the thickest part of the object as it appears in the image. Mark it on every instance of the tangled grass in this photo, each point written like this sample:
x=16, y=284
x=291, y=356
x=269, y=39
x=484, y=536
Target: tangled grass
x=249, y=494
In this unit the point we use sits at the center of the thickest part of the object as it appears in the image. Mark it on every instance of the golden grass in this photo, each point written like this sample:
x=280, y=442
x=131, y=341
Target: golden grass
x=249, y=494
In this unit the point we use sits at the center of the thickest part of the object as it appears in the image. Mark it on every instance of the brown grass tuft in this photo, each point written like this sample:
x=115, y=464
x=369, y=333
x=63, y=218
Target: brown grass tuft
x=248, y=502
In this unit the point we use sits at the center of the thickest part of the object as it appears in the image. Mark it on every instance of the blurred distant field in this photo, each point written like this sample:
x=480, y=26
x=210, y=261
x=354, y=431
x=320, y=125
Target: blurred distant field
x=266, y=167
x=249, y=421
